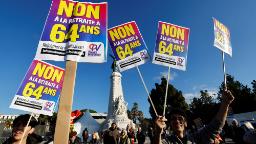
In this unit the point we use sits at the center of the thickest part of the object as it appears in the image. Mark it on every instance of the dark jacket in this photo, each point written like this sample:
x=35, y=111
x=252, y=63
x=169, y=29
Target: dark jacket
x=141, y=137
x=111, y=136
x=76, y=141
x=31, y=139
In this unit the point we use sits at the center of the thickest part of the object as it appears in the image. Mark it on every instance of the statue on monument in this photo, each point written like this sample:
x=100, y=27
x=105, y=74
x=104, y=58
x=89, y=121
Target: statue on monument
x=114, y=65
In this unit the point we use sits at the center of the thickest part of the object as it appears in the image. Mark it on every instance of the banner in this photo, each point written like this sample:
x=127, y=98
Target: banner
x=40, y=89
x=75, y=31
x=171, y=46
x=127, y=45
x=222, y=37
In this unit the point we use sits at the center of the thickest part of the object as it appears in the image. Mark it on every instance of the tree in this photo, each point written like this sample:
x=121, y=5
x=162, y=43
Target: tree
x=204, y=106
x=175, y=99
x=245, y=97
x=52, y=121
x=8, y=123
x=90, y=110
x=43, y=119
x=254, y=90
x=146, y=123
x=135, y=114
x=254, y=87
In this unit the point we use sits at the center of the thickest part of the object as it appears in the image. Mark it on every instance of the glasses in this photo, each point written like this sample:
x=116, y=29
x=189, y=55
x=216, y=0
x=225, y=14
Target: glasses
x=20, y=129
x=179, y=118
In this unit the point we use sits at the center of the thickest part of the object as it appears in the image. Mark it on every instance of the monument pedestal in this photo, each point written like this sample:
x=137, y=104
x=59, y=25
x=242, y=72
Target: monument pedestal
x=120, y=121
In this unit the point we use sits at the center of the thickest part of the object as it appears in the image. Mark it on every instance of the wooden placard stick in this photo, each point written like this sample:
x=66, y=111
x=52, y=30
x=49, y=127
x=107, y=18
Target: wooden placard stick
x=166, y=90
x=62, y=128
x=224, y=71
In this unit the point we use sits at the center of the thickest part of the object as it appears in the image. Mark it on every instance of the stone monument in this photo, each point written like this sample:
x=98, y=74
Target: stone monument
x=117, y=107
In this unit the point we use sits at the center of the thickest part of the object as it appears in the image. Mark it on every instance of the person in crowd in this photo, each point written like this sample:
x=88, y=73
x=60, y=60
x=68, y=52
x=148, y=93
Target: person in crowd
x=131, y=135
x=85, y=135
x=95, y=138
x=101, y=135
x=150, y=134
x=140, y=136
x=249, y=136
x=48, y=138
x=226, y=131
x=178, y=123
x=127, y=128
x=124, y=137
x=74, y=139
x=22, y=134
x=111, y=136
x=237, y=132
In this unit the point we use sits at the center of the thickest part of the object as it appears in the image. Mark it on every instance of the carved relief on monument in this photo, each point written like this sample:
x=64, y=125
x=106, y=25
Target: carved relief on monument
x=120, y=106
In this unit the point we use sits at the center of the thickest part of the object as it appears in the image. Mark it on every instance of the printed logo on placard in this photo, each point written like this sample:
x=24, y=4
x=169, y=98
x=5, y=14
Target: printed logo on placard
x=144, y=55
x=47, y=106
x=93, y=49
x=180, y=61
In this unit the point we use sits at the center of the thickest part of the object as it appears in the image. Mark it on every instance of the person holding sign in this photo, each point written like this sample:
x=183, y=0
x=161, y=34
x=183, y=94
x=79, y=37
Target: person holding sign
x=20, y=129
x=178, y=123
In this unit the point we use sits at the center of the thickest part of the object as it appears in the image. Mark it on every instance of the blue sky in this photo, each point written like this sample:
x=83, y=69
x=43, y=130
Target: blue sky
x=22, y=23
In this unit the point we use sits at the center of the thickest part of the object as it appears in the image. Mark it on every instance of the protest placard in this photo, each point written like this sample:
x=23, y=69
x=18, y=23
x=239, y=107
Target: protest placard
x=40, y=89
x=171, y=46
x=129, y=49
x=222, y=37
x=127, y=45
x=74, y=31
x=222, y=42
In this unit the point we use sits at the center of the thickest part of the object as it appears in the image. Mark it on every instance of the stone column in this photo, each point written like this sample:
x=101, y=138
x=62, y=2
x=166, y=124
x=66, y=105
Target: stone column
x=117, y=107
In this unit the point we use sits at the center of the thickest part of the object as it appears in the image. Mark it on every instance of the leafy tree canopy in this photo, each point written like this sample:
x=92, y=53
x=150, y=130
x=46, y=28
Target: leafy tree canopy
x=175, y=99
x=245, y=97
x=135, y=114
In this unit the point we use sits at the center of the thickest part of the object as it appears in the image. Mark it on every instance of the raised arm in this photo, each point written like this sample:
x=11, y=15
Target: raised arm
x=227, y=99
x=215, y=126
x=160, y=125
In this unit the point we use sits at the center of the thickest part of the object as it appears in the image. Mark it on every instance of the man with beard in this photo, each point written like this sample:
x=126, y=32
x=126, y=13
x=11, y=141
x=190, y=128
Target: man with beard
x=111, y=136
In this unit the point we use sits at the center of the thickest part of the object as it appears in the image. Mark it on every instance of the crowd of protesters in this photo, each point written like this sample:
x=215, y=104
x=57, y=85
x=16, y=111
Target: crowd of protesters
x=214, y=133
x=24, y=134
x=126, y=136
x=113, y=135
